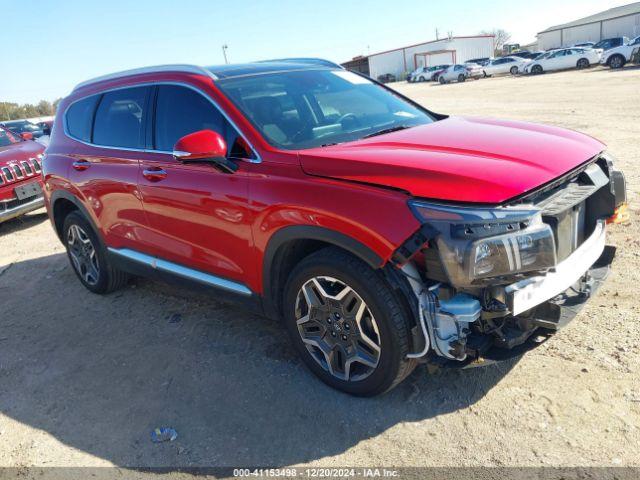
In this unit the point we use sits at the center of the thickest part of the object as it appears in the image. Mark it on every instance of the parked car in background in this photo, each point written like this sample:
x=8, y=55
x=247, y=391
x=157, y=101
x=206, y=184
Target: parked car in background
x=520, y=54
x=460, y=73
x=387, y=78
x=585, y=45
x=609, y=43
x=616, y=57
x=562, y=59
x=381, y=233
x=45, y=126
x=23, y=126
x=479, y=61
x=426, y=74
x=512, y=65
x=20, y=175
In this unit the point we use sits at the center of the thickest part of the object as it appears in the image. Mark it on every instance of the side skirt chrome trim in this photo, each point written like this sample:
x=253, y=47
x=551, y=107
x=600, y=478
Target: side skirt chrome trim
x=181, y=271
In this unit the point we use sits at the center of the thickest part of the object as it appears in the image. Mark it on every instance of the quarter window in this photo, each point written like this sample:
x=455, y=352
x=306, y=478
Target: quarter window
x=80, y=116
x=120, y=118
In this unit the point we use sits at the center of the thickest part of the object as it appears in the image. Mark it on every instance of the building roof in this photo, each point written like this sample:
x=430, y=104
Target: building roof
x=445, y=39
x=616, y=12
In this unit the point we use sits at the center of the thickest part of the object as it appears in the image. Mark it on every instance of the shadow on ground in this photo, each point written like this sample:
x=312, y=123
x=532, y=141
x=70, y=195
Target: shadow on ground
x=22, y=223
x=100, y=372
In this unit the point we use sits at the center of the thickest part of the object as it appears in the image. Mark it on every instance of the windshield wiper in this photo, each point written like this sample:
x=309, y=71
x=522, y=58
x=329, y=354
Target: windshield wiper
x=387, y=130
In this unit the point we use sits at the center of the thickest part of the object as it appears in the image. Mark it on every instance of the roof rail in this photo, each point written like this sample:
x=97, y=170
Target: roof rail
x=305, y=60
x=155, y=69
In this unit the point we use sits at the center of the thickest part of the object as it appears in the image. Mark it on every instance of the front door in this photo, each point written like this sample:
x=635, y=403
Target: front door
x=197, y=215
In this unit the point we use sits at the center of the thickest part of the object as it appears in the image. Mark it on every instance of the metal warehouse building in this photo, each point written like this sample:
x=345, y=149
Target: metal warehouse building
x=406, y=59
x=615, y=22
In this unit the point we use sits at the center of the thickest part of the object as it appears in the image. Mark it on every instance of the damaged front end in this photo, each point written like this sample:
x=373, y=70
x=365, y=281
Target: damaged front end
x=492, y=282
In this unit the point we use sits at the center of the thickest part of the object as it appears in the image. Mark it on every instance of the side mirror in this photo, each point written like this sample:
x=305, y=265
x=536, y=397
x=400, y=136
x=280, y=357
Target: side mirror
x=204, y=146
x=26, y=136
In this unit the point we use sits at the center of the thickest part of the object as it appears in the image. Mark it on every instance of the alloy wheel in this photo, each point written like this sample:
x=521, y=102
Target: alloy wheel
x=337, y=328
x=83, y=254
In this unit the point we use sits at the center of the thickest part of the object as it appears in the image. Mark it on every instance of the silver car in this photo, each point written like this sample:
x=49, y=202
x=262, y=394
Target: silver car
x=460, y=73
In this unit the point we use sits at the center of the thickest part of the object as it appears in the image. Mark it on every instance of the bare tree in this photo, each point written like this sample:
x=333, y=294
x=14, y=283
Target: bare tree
x=500, y=37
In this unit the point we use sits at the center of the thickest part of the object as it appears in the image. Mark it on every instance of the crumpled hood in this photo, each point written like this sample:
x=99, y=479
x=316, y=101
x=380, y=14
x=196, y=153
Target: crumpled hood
x=457, y=159
x=19, y=151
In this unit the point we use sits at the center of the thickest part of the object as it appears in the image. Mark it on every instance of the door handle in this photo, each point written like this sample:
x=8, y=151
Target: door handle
x=81, y=165
x=154, y=174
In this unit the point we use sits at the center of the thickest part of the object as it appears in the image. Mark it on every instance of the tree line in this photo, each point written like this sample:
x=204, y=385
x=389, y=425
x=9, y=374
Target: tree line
x=14, y=111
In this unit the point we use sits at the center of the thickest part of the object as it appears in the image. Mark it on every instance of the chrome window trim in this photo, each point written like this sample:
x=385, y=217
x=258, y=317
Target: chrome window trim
x=183, y=68
x=181, y=271
x=258, y=159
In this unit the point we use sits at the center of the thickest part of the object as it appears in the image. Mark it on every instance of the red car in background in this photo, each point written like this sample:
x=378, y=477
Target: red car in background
x=20, y=174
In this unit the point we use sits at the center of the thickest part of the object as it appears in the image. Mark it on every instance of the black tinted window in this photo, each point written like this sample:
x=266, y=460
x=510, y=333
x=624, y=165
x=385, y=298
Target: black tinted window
x=120, y=118
x=181, y=111
x=80, y=116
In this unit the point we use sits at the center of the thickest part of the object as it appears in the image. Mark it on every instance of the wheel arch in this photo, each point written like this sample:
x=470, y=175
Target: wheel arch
x=62, y=203
x=292, y=243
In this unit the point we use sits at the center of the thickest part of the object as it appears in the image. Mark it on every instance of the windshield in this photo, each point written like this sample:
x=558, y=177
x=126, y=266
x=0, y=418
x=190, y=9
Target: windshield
x=7, y=138
x=312, y=108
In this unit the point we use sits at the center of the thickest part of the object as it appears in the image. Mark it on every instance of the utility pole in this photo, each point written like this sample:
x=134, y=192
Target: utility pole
x=224, y=52
x=437, y=38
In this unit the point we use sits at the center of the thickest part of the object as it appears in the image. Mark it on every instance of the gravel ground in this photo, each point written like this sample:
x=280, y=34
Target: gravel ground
x=84, y=378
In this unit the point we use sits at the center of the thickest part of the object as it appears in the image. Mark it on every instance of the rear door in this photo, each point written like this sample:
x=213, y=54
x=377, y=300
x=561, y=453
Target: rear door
x=197, y=215
x=110, y=128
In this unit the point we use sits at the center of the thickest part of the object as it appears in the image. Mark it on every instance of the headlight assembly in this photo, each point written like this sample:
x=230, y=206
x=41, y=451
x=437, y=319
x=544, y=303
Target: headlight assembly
x=476, y=244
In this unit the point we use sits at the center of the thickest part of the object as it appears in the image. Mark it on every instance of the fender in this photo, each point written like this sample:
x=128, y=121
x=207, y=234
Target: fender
x=306, y=232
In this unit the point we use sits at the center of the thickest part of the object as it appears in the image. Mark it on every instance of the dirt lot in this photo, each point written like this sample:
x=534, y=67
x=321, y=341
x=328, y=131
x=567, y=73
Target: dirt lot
x=84, y=378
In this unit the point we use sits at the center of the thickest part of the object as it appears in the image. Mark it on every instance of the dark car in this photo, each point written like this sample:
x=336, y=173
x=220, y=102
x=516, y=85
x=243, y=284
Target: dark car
x=609, y=43
x=46, y=126
x=387, y=78
x=23, y=126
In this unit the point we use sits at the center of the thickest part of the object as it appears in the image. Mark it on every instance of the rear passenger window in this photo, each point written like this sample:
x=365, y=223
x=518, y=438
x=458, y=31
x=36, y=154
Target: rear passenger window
x=79, y=117
x=181, y=111
x=120, y=118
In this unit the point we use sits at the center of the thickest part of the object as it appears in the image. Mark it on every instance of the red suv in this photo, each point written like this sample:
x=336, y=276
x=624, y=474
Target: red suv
x=382, y=233
x=20, y=174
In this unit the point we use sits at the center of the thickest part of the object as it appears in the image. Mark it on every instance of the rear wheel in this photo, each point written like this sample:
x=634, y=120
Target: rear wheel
x=461, y=78
x=583, y=63
x=422, y=79
x=617, y=61
x=347, y=324
x=88, y=258
x=441, y=80
x=514, y=70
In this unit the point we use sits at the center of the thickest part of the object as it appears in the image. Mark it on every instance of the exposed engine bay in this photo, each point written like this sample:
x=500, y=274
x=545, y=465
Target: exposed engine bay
x=503, y=278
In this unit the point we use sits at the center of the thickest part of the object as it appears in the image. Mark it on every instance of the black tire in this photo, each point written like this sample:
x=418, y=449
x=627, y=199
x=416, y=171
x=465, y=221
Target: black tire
x=583, y=63
x=514, y=70
x=441, y=80
x=461, y=78
x=393, y=322
x=536, y=69
x=108, y=278
x=421, y=79
x=617, y=61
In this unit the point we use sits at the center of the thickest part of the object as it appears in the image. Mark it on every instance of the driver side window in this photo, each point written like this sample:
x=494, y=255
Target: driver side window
x=181, y=111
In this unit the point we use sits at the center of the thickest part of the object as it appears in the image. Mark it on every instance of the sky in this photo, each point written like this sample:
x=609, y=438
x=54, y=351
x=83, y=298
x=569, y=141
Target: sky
x=56, y=44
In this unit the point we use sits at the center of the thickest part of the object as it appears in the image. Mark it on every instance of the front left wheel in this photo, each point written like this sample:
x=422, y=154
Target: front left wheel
x=88, y=257
x=347, y=323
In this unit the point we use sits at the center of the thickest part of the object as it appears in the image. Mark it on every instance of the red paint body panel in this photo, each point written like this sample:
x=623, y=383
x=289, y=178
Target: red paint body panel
x=458, y=159
x=222, y=223
x=15, y=154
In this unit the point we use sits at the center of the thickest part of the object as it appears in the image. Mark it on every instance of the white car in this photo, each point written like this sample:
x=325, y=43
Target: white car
x=564, y=58
x=460, y=73
x=618, y=56
x=512, y=65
